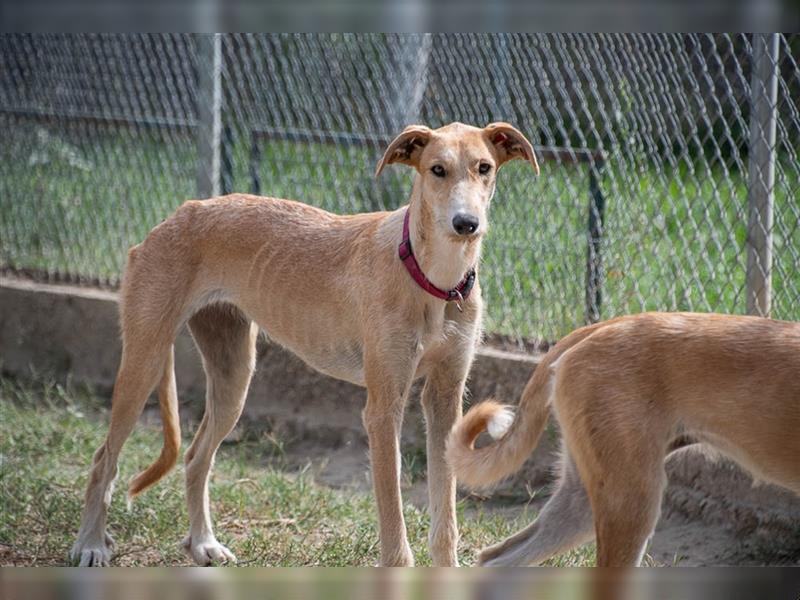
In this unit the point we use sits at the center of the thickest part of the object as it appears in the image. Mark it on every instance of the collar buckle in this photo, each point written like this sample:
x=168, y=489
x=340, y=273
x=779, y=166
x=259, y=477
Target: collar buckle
x=457, y=298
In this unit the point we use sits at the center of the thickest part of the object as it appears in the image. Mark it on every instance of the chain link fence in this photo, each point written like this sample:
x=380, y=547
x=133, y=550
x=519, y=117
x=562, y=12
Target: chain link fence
x=662, y=186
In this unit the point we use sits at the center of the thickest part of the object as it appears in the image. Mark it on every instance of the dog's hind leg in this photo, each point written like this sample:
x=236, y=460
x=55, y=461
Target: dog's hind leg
x=227, y=342
x=627, y=505
x=142, y=364
x=622, y=467
x=564, y=523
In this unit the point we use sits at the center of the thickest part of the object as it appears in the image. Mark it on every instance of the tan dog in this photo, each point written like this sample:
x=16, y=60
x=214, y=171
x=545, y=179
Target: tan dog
x=334, y=290
x=627, y=393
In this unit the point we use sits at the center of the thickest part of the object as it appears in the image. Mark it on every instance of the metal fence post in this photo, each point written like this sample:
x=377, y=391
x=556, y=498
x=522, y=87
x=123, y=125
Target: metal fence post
x=209, y=114
x=226, y=158
x=761, y=172
x=594, y=256
x=255, y=161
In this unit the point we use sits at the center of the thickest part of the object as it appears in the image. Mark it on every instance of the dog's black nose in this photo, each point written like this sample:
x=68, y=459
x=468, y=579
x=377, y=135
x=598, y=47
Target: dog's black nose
x=465, y=224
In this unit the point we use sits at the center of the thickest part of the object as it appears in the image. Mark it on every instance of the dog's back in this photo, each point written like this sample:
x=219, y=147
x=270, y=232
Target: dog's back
x=271, y=258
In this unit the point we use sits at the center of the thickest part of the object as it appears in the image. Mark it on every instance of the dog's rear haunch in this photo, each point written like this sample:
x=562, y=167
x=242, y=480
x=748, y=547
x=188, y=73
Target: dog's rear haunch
x=626, y=393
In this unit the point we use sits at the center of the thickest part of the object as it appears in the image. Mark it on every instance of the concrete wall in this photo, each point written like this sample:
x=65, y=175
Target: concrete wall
x=63, y=331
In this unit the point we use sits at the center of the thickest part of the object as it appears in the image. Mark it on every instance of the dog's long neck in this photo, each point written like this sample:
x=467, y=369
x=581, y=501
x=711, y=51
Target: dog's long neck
x=444, y=259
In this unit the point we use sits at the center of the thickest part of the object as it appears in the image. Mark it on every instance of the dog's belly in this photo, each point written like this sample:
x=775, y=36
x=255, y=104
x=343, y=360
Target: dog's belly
x=778, y=467
x=343, y=361
x=346, y=362
x=320, y=334
x=328, y=338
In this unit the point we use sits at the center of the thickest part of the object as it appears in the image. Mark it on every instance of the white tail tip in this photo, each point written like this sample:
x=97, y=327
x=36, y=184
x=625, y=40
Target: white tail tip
x=500, y=422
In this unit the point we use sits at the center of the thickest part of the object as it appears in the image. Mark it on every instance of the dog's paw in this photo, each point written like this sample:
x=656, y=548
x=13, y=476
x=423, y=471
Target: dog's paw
x=88, y=554
x=400, y=557
x=208, y=552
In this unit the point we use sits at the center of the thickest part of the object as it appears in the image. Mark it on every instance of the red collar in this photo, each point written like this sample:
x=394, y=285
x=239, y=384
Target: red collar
x=460, y=292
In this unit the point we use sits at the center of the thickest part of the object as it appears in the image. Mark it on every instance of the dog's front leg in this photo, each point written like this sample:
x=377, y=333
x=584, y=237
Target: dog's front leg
x=388, y=374
x=441, y=402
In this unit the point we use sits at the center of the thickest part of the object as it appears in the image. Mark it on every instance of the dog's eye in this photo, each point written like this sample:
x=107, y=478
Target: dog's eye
x=484, y=168
x=438, y=170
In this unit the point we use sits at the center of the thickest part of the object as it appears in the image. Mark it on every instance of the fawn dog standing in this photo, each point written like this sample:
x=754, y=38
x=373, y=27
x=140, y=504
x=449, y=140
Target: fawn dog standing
x=626, y=393
x=364, y=298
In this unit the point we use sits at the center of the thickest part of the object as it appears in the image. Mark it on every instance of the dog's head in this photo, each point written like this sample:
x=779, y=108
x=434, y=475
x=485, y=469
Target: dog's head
x=457, y=165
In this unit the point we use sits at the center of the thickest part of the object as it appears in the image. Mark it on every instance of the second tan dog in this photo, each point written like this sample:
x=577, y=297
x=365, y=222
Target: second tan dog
x=376, y=299
x=626, y=393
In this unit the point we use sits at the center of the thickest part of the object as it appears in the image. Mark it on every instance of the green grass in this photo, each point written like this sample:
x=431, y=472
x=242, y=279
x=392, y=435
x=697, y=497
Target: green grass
x=675, y=237
x=267, y=517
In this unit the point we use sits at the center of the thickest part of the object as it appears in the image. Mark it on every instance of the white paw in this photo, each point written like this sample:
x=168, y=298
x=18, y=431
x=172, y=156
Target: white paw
x=93, y=554
x=207, y=551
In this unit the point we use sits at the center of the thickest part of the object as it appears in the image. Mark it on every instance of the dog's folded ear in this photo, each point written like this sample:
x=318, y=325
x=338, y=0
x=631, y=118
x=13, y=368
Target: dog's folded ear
x=510, y=144
x=406, y=147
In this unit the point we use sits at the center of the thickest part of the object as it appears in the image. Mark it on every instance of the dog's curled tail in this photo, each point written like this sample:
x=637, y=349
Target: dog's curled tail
x=170, y=420
x=514, y=438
